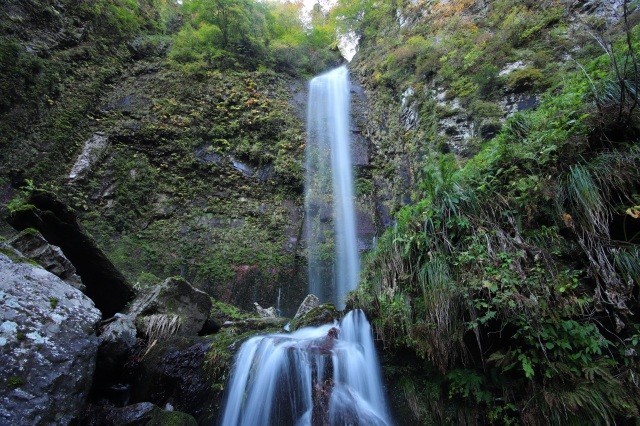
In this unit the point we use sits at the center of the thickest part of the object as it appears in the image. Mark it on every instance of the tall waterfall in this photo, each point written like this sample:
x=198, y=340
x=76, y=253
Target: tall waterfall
x=327, y=374
x=330, y=218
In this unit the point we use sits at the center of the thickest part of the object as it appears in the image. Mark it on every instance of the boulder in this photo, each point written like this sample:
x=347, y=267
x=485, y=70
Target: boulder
x=48, y=345
x=174, y=307
x=309, y=302
x=143, y=413
x=185, y=372
x=32, y=244
x=106, y=286
x=117, y=341
x=323, y=314
x=265, y=313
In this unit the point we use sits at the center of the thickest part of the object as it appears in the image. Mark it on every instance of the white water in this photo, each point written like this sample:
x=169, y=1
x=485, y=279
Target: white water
x=277, y=378
x=328, y=374
x=330, y=217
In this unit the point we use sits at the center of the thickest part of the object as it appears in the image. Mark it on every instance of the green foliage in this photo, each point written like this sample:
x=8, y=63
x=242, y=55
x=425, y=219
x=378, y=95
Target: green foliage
x=498, y=273
x=227, y=34
x=53, y=302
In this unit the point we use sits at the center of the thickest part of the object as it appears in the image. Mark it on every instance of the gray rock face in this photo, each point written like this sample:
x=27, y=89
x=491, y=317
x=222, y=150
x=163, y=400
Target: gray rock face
x=47, y=346
x=309, y=302
x=33, y=245
x=174, y=305
x=265, y=312
x=91, y=152
x=610, y=10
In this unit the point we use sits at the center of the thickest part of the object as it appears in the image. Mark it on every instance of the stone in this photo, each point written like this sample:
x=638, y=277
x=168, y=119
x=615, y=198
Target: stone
x=265, y=313
x=181, y=372
x=183, y=307
x=33, y=245
x=309, y=302
x=117, y=340
x=91, y=152
x=105, y=285
x=323, y=314
x=48, y=346
x=143, y=413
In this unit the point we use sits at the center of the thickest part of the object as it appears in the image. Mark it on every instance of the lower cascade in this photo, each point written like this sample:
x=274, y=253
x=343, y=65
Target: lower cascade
x=317, y=375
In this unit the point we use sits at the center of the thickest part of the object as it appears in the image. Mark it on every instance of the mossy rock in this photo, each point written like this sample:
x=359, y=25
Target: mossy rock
x=171, y=418
x=320, y=315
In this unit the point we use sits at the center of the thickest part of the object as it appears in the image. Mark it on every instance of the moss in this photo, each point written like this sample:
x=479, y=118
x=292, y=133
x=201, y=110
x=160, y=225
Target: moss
x=15, y=382
x=320, y=315
x=171, y=418
x=53, y=302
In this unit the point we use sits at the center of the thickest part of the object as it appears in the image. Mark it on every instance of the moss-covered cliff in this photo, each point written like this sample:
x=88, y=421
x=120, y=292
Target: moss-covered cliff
x=506, y=292
x=177, y=164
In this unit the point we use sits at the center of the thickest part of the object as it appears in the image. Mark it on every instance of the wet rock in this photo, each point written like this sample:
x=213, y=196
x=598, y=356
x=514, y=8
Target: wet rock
x=105, y=285
x=143, y=413
x=117, y=340
x=186, y=373
x=183, y=307
x=515, y=102
x=320, y=315
x=33, y=245
x=309, y=302
x=48, y=346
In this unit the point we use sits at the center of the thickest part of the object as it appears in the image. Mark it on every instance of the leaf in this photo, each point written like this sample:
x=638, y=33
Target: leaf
x=526, y=366
x=634, y=212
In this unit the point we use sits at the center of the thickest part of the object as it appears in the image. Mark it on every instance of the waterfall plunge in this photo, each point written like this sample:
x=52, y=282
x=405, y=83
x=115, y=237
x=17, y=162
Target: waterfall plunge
x=328, y=374
x=330, y=218
x=321, y=375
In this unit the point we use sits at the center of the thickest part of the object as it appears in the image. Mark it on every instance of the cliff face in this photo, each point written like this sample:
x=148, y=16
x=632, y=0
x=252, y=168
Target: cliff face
x=504, y=143
x=174, y=170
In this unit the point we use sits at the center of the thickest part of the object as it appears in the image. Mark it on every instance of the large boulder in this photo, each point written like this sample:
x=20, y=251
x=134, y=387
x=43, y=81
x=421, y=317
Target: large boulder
x=48, y=345
x=323, y=314
x=174, y=307
x=106, y=286
x=188, y=373
x=143, y=413
x=32, y=244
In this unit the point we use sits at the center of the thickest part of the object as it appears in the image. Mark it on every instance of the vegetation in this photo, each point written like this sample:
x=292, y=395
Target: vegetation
x=509, y=282
x=232, y=34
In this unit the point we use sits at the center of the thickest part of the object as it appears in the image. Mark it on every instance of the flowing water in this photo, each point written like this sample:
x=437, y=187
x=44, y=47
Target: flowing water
x=318, y=375
x=325, y=375
x=332, y=247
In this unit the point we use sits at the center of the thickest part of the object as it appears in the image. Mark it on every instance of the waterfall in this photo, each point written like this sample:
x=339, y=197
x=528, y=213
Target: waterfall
x=325, y=375
x=330, y=217
x=320, y=375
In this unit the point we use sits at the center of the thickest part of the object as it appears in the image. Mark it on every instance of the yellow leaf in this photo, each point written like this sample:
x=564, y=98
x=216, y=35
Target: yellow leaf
x=634, y=212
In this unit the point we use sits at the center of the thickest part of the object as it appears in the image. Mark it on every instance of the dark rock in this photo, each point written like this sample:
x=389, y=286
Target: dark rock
x=489, y=130
x=117, y=340
x=143, y=413
x=320, y=315
x=106, y=286
x=33, y=245
x=178, y=371
x=174, y=298
x=47, y=345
